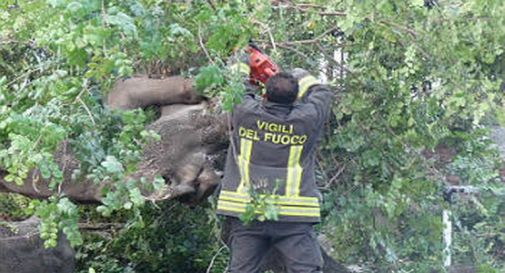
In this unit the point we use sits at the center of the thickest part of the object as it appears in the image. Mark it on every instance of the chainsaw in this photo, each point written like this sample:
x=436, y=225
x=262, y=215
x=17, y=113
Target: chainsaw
x=262, y=68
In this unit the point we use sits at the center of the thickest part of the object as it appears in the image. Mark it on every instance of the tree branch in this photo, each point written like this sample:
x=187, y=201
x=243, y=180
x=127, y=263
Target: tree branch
x=334, y=13
x=209, y=268
x=331, y=59
x=307, y=7
x=298, y=52
x=200, y=40
x=403, y=28
x=211, y=4
x=99, y=226
x=267, y=28
x=304, y=42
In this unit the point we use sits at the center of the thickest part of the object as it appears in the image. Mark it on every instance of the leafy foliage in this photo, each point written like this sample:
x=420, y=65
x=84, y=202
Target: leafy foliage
x=169, y=238
x=12, y=207
x=55, y=216
x=262, y=206
x=413, y=76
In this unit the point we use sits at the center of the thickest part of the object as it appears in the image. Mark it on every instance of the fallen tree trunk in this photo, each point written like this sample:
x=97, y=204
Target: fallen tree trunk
x=142, y=91
x=192, y=141
x=22, y=250
x=82, y=191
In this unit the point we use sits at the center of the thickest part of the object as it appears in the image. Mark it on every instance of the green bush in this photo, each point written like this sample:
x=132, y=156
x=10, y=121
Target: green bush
x=13, y=207
x=172, y=238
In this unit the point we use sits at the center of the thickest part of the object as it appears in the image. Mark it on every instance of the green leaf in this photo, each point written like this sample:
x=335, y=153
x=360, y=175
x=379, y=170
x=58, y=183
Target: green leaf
x=122, y=21
x=207, y=77
x=136, y=197
x=271, y=213
x=418, y=3
x=67, y=207
x=128, y=205
x=74, y=6
x=177, y=30
x=56, y=3
x=112, y=165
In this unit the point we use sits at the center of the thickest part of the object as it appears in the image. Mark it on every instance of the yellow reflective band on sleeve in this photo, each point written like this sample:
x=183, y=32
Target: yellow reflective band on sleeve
x=243, y=163
x=240, y=68
x=302, y=201
x=305, y=83
x=294, y=175
x=282, y=210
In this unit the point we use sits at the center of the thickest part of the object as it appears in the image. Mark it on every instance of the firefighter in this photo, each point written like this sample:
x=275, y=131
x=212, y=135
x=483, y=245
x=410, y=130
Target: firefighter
x=272, y=153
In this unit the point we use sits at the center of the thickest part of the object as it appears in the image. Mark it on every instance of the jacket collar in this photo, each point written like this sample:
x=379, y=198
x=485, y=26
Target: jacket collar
x=276, y=108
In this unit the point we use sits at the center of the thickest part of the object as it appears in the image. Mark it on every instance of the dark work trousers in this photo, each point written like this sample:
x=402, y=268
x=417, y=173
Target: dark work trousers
x=296, y=242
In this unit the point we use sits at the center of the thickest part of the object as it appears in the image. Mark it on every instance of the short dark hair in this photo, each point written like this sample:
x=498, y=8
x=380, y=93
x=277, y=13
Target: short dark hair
x=282, y=88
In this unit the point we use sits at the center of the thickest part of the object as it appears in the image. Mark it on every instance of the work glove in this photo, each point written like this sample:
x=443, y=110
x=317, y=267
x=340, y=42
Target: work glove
x=305, y=80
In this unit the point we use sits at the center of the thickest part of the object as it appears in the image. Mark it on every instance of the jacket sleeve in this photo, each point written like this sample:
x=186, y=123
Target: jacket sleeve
x=314, y=94
x=321, y=97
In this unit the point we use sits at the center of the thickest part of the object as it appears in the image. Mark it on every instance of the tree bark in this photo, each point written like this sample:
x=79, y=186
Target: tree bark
x=142, y=91
x=193, y=140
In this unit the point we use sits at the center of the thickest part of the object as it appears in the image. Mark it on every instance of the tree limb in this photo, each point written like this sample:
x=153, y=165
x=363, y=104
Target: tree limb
x=200, y=41
x=307, y=7
x=99, y=226
x=403, y=28
x=331, y=59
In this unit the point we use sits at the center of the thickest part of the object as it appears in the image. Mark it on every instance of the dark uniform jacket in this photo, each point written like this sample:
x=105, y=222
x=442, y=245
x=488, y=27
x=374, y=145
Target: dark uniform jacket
x=272, y=154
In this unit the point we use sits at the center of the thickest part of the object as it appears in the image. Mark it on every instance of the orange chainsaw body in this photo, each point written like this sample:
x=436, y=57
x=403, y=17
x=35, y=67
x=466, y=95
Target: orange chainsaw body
x=262, y=68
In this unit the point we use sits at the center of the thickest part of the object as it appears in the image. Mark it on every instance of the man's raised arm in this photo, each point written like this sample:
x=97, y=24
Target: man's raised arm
x=314, y=93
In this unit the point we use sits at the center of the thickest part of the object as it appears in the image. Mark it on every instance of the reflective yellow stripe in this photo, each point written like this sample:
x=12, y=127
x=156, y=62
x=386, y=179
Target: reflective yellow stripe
x=243, y=163
x=282, y=210
x=240, y=68
x=302, y=201
x=240, y=195
x=294, y=175
x=305, y=83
